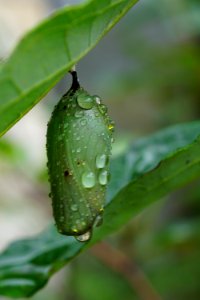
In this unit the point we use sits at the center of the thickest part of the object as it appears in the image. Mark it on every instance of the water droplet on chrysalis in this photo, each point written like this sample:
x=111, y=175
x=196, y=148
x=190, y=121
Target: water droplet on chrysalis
x=101, y=161
x=74, y=207
x=84, y=237
x=83, y=122
x=88, y=179
x=111, y=125
x=78, y=114
x=98, y=221
x=97, y=99
x=85, y=101
x=103, y=109
x=103, y=177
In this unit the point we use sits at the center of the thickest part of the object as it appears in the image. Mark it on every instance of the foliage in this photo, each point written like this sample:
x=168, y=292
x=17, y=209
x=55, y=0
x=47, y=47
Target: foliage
x=48, y=51
x=150, y=169
x=27, y=265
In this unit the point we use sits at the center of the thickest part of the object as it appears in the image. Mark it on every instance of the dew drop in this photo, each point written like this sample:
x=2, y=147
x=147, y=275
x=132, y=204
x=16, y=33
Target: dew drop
x=103, y=109
x=111, y=125
x=103, y=177
x=97, y=99
x=88, y=179
x=74, y=207
x=83, y=122
x=83, y=223
x=78, y=150
x=101, y=161
x=78, y=114
x=85, y=101
x=98, y=221
x=84, y=237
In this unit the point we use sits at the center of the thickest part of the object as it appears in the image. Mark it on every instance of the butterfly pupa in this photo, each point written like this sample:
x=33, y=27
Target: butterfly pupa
x=79, y=138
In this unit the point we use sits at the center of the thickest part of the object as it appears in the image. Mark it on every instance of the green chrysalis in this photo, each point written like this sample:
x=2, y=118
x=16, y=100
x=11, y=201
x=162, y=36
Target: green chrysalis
x=79, y=140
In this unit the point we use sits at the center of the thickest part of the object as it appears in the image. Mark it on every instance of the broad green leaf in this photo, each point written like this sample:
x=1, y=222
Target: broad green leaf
x=25, y=266
x=147, y=152
x=46, y=53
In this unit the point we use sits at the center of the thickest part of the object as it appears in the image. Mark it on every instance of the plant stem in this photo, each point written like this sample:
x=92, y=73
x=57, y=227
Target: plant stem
x=123, y=265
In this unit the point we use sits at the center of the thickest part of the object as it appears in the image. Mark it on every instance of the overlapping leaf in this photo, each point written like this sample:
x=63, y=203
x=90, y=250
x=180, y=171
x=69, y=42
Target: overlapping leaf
x=48, y=51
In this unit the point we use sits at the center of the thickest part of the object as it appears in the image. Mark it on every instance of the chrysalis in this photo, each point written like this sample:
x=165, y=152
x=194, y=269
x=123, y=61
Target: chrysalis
x=79, y=139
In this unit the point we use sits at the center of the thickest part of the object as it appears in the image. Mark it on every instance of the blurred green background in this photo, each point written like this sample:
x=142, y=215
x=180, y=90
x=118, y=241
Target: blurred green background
x=147, y=70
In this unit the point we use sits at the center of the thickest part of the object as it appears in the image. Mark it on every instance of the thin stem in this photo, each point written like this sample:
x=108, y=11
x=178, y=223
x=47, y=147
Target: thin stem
x=75, y=83
x=122, y=264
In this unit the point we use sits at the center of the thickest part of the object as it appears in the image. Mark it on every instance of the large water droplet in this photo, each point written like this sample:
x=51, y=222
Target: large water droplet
x=103, y=177
x=84, y=237
x=85, y=101
x=88, y=179
x=101, y=161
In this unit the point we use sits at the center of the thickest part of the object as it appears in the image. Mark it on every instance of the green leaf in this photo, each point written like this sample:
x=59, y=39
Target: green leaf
x=46, y=53
x=173, y=160
x=146, y=153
